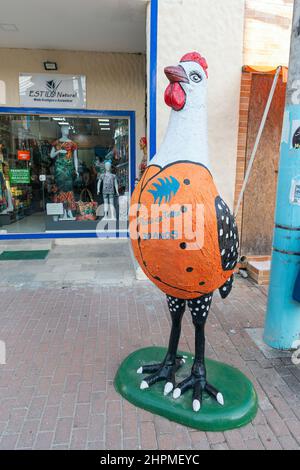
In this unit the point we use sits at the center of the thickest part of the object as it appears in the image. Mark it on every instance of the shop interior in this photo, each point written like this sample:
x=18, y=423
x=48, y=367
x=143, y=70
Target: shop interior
x=63, y=173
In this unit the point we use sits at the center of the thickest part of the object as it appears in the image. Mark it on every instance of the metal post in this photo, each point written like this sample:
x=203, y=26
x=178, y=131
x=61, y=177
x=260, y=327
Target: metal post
x=282, y=329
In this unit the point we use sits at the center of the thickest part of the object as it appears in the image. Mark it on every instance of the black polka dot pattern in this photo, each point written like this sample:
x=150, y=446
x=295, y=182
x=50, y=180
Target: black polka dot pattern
x=175, y=305
x=227, y=288
x=200, y=307
x=227, y=234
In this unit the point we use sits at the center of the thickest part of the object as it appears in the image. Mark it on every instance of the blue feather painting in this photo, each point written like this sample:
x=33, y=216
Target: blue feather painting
x=165, y=189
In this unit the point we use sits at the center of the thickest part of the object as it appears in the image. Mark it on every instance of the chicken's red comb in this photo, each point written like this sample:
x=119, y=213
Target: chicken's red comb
x=196, y=57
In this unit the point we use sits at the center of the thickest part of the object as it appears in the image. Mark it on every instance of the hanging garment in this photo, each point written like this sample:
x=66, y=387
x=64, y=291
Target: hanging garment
x=64, y=174
x=3, y=201
x=3, y=194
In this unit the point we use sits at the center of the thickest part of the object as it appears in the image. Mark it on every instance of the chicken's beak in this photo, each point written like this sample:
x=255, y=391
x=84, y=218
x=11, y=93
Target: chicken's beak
x=176, y=74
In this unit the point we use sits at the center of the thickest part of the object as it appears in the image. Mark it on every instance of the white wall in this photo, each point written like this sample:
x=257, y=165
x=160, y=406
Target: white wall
x=215, y=29
x=268, y=25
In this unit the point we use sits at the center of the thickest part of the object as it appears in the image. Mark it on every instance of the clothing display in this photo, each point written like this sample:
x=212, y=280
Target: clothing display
x=3, y=201
x=144, y=163
x=64, y=174
x=109, y=181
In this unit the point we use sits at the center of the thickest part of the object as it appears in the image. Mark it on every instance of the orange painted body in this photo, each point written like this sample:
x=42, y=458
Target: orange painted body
x=180, y=267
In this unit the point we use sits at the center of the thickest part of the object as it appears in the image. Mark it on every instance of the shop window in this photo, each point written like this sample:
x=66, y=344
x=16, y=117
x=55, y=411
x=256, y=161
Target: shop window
x=2, y=92
x=64, y=174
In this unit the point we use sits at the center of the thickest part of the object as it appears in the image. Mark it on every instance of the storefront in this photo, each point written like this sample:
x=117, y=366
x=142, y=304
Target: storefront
x=72, y=115
x=66, y=171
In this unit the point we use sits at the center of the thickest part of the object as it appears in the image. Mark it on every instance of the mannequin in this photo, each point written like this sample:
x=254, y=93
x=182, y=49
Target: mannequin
x=109, y=184
x=65, y=152
x=144, y=163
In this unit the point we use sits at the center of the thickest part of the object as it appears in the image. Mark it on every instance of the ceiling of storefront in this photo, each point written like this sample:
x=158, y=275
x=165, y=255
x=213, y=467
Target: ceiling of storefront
x=83, y=25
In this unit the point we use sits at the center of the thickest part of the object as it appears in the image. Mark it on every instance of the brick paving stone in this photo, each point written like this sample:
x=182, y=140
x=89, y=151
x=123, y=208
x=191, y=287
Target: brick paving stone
x=66, y=345
x=43, y=440
x=148, y=436
x=96, y=428
x=81, y=417
x=49, y=419
x=248, y=432
x=113, y=412
x=277, y=425
x=63, y=431
x=234, y=440
x=79, y=439
x=36, y=408
x=254, y=444
x=67, y=405
x=268, y=438
x=97, y=445
x=72, y=381
x=220, y=447
x=98, y=402
x=130, y=424
x=294, y=427
x=166, y=441
x=199, y=441
x=182, y=439
x=215, y=437
x=288, y=443
x=28, y=434
x=84, y=392
x=113, y=437
x=9, y=441
x=131, y=444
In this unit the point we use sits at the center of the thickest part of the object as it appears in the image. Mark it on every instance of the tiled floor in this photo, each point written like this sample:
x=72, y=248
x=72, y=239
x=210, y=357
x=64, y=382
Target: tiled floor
x=34, y=223
x=64, y=346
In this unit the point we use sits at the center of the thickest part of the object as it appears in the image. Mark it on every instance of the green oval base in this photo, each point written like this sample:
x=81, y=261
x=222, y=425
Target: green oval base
x=241, y=402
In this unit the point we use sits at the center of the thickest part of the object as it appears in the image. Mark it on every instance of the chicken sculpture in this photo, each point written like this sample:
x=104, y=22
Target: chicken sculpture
x=187, y=269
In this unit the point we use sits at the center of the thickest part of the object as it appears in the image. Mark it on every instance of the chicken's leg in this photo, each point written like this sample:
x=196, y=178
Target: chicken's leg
x=197, y=380
x=166, y=370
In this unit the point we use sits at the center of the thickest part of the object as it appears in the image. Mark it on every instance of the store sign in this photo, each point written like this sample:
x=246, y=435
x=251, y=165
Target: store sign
x=55, y=209
x=24, y=155
x=52, y=90
x=17, y=176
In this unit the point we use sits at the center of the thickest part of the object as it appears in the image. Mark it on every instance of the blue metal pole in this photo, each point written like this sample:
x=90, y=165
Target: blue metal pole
x=282, y=328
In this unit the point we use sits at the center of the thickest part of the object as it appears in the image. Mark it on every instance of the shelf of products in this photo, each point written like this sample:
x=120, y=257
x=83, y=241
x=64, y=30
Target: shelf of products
x=22, y=197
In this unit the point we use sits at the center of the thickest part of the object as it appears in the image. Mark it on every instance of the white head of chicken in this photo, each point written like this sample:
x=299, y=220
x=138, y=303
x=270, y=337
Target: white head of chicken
x=188, y=85
x=186, y=137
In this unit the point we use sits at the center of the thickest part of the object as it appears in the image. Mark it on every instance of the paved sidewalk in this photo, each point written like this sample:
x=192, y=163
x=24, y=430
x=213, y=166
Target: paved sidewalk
x=93, y=262
x=64, y=346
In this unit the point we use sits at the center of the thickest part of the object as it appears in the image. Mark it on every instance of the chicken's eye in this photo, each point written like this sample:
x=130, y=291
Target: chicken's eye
x=195, y=77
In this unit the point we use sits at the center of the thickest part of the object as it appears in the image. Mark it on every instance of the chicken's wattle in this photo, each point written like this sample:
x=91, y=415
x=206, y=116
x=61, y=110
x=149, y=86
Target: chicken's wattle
x=175, y=96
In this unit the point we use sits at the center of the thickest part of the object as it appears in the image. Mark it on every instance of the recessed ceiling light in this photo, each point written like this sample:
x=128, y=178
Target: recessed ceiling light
x=8, y=27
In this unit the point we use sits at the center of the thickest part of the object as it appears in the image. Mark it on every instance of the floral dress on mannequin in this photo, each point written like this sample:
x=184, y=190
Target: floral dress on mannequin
x=64, y=174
